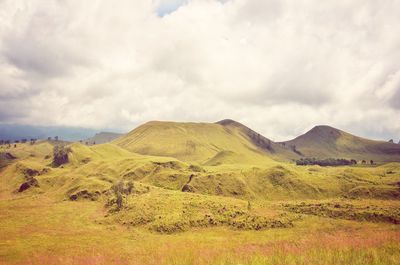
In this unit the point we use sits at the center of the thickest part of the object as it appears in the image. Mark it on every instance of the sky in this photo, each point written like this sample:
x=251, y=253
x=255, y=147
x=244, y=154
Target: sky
x=279, y=67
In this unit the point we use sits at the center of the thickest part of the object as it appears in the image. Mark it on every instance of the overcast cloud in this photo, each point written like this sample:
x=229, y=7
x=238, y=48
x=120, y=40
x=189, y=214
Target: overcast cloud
x=279, y=67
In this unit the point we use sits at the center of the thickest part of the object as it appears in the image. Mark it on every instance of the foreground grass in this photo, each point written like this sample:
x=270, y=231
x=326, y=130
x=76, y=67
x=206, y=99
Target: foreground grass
x=383, y=255
x=42, y=231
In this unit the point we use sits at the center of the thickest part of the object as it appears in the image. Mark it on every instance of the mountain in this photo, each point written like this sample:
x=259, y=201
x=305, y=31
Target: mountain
x=17, y=132
x=102, y=137
x=328, y=142
x=226, y=141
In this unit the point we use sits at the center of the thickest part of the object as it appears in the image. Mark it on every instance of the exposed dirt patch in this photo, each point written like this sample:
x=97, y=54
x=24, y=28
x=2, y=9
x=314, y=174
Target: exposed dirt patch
x=169, y=164
x=31, y=182
x=6, y=159
x=85, y=194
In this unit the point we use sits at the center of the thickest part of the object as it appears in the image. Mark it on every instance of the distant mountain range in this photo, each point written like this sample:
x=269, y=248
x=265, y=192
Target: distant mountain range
x=17, y=132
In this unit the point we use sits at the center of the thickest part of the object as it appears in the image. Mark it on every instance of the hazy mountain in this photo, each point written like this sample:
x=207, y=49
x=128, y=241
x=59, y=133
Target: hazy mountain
x=17, y=132
x=102, y=137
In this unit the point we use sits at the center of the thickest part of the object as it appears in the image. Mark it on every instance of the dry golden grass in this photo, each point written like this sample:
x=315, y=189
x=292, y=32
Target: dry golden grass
x=43, y=226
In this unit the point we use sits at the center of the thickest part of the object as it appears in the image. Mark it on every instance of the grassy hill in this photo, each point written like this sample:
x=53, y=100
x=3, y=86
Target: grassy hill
x=224, y=142
x=328, y=142
x=195, y=142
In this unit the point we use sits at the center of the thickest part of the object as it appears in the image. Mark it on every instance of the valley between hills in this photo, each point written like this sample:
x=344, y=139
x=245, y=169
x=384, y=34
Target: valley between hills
x=201, y=193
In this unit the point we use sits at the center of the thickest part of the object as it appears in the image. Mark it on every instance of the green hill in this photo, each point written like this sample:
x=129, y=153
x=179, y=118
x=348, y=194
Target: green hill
x=195, y=142
x=328, y=142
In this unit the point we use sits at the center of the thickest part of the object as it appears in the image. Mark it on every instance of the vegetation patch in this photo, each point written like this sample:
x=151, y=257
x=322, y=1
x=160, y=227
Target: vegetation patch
x=333, y=162
x=348, y=211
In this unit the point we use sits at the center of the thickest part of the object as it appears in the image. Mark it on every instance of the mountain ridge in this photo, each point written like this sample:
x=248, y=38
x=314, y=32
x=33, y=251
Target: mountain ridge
x=202, y=141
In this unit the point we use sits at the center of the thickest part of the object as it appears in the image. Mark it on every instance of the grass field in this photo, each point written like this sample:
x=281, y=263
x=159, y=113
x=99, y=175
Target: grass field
x=258, y=211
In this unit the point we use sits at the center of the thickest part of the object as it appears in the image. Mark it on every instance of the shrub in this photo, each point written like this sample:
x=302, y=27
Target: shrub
x=325, y=162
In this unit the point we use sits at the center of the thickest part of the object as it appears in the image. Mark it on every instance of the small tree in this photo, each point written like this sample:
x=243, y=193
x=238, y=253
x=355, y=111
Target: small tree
x=60, y=155
x=119, y=200
x=130, y=187
x=118, y=189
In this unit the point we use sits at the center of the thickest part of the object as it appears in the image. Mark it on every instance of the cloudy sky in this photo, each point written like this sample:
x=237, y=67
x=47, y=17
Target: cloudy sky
x=279, y=67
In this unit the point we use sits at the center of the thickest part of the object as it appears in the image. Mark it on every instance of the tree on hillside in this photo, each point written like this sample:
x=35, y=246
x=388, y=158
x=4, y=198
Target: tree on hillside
x=119, y=201
x=118, y=189
x=130, y=187
x=60, y=155
x=391, y=141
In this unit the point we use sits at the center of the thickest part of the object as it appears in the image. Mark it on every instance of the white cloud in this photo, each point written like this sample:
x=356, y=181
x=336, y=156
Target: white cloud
x=280, y=67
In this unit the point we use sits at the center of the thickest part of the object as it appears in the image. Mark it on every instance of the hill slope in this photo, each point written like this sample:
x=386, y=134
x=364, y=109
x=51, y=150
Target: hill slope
x=326, y=142
x=274, y=149
x=209, y=143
